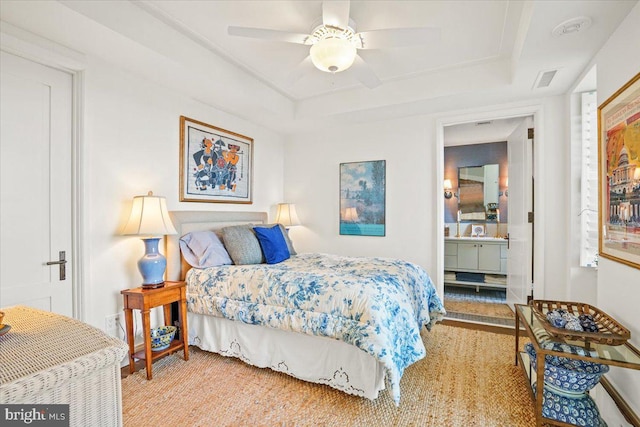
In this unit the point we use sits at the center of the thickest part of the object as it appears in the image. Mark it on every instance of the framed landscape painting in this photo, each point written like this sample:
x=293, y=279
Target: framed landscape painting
x=362, y=198
x=619, y=175
x=215, y=164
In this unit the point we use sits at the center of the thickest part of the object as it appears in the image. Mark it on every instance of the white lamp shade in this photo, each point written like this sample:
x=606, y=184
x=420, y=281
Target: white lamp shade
x=333, y=54
x=287, y=215
x=149, y=217
x=447, y=184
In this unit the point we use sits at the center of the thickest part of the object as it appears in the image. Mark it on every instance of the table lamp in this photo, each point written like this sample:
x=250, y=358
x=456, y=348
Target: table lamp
x=149, y=218
x=287, y=215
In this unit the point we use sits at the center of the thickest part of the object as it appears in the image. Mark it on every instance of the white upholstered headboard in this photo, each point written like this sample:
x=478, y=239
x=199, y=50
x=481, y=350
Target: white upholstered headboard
x=188, y=221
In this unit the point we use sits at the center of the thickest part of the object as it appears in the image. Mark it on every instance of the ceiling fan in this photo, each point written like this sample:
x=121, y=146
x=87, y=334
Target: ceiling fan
x=334, y=42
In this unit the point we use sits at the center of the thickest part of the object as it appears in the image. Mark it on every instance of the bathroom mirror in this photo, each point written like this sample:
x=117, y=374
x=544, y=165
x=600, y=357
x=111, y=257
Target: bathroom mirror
x=478, y=192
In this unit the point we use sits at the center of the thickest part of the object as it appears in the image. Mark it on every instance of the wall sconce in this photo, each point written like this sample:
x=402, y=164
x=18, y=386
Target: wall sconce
x=505, y=193
x=447, y=189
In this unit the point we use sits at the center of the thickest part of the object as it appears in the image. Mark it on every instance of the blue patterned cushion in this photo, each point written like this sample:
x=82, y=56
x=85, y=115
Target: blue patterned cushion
x=274, y=247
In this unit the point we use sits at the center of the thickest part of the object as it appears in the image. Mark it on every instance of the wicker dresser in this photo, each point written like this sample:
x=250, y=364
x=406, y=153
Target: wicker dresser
x=50, y=359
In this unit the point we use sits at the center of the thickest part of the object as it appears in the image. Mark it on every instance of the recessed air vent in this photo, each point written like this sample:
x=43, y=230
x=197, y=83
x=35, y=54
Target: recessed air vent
x=544, y=79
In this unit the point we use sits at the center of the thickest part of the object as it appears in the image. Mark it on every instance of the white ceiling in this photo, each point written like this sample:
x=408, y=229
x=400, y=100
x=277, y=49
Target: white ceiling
x=489, y=52
x=480, y=132
x=488, y=34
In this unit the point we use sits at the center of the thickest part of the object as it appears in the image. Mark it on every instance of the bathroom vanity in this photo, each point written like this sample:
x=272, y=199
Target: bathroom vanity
x=487, y=255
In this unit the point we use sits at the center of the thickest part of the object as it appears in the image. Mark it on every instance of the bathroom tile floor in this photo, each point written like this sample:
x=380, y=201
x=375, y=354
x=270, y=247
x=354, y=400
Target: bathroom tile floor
x=487, y=306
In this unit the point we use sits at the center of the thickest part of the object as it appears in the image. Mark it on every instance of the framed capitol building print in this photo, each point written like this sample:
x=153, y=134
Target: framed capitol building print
x=619, y=175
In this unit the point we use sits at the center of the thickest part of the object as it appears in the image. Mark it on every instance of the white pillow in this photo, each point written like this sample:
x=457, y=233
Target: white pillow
x=203, y=249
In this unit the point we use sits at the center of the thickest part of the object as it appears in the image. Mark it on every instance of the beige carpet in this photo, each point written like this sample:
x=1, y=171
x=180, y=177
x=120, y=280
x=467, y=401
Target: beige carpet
x=467, y=379
x=501, y=311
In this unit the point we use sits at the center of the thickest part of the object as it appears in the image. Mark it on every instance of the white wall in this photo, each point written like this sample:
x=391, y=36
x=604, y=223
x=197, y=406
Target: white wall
x=131, y=138
x=413, y=184
x=312, y=182
x=130, y=132
x=618, y=291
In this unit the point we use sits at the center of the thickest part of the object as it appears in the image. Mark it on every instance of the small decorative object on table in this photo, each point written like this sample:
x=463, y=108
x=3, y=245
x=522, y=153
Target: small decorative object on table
x=161, y=337
x=566, y=382
x=579, y=321
x=477, y=230
x=580, y=411
x=568, y=375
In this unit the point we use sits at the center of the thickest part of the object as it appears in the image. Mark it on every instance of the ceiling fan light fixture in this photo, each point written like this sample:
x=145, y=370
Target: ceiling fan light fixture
x=333, y=54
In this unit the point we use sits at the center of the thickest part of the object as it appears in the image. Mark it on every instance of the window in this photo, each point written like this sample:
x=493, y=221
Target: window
x=589, y=181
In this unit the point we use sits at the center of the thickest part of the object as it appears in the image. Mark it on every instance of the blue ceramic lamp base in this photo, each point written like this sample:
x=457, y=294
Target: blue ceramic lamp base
x=152, y=265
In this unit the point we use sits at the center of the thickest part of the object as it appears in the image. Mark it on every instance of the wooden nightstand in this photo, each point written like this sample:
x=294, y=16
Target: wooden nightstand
x=144, y=300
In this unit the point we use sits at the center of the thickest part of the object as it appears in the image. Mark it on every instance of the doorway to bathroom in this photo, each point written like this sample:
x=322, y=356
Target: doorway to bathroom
x=488, y=237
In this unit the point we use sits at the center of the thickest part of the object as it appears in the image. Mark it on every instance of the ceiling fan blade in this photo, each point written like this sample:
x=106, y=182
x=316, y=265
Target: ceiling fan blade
x=398, y=37
x=364, y=73
x=300, y=70
x=336, y=13
x=266, y=34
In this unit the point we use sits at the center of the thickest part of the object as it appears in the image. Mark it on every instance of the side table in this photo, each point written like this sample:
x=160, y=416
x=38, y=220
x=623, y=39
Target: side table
x=144, y=300
x=624, y=355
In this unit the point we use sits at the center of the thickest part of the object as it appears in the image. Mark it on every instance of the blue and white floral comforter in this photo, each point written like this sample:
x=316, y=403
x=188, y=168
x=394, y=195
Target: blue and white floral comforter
x=376, y=304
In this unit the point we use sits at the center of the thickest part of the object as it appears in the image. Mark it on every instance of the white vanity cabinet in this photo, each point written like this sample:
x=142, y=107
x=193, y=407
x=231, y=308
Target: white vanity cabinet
x=475, y=255
x=481, y=257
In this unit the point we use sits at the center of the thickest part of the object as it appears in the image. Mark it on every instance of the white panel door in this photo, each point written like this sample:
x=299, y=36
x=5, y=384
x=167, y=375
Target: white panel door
x=519, y=149
x=35, y=185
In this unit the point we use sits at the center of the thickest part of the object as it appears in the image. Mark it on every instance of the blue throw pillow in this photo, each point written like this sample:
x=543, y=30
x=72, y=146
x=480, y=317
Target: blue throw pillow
x=273, y=245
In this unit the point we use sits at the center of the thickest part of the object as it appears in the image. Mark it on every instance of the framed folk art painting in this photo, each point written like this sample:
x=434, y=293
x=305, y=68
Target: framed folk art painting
x=619, y=175
x=216, y=165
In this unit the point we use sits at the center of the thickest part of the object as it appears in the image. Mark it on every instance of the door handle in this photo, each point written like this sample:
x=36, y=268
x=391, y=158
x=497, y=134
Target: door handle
x=508, y=240
x=61, y=262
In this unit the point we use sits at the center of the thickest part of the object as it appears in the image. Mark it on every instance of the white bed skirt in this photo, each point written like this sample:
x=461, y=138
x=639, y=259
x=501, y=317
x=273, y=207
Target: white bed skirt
x=315, y=359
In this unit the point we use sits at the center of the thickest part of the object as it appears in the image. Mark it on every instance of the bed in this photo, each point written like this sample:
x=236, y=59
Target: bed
x=350, y=323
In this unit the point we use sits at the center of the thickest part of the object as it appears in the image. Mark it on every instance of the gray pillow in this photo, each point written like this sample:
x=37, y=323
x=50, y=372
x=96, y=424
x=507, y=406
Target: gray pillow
x=242, y=244
x=203, y=249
